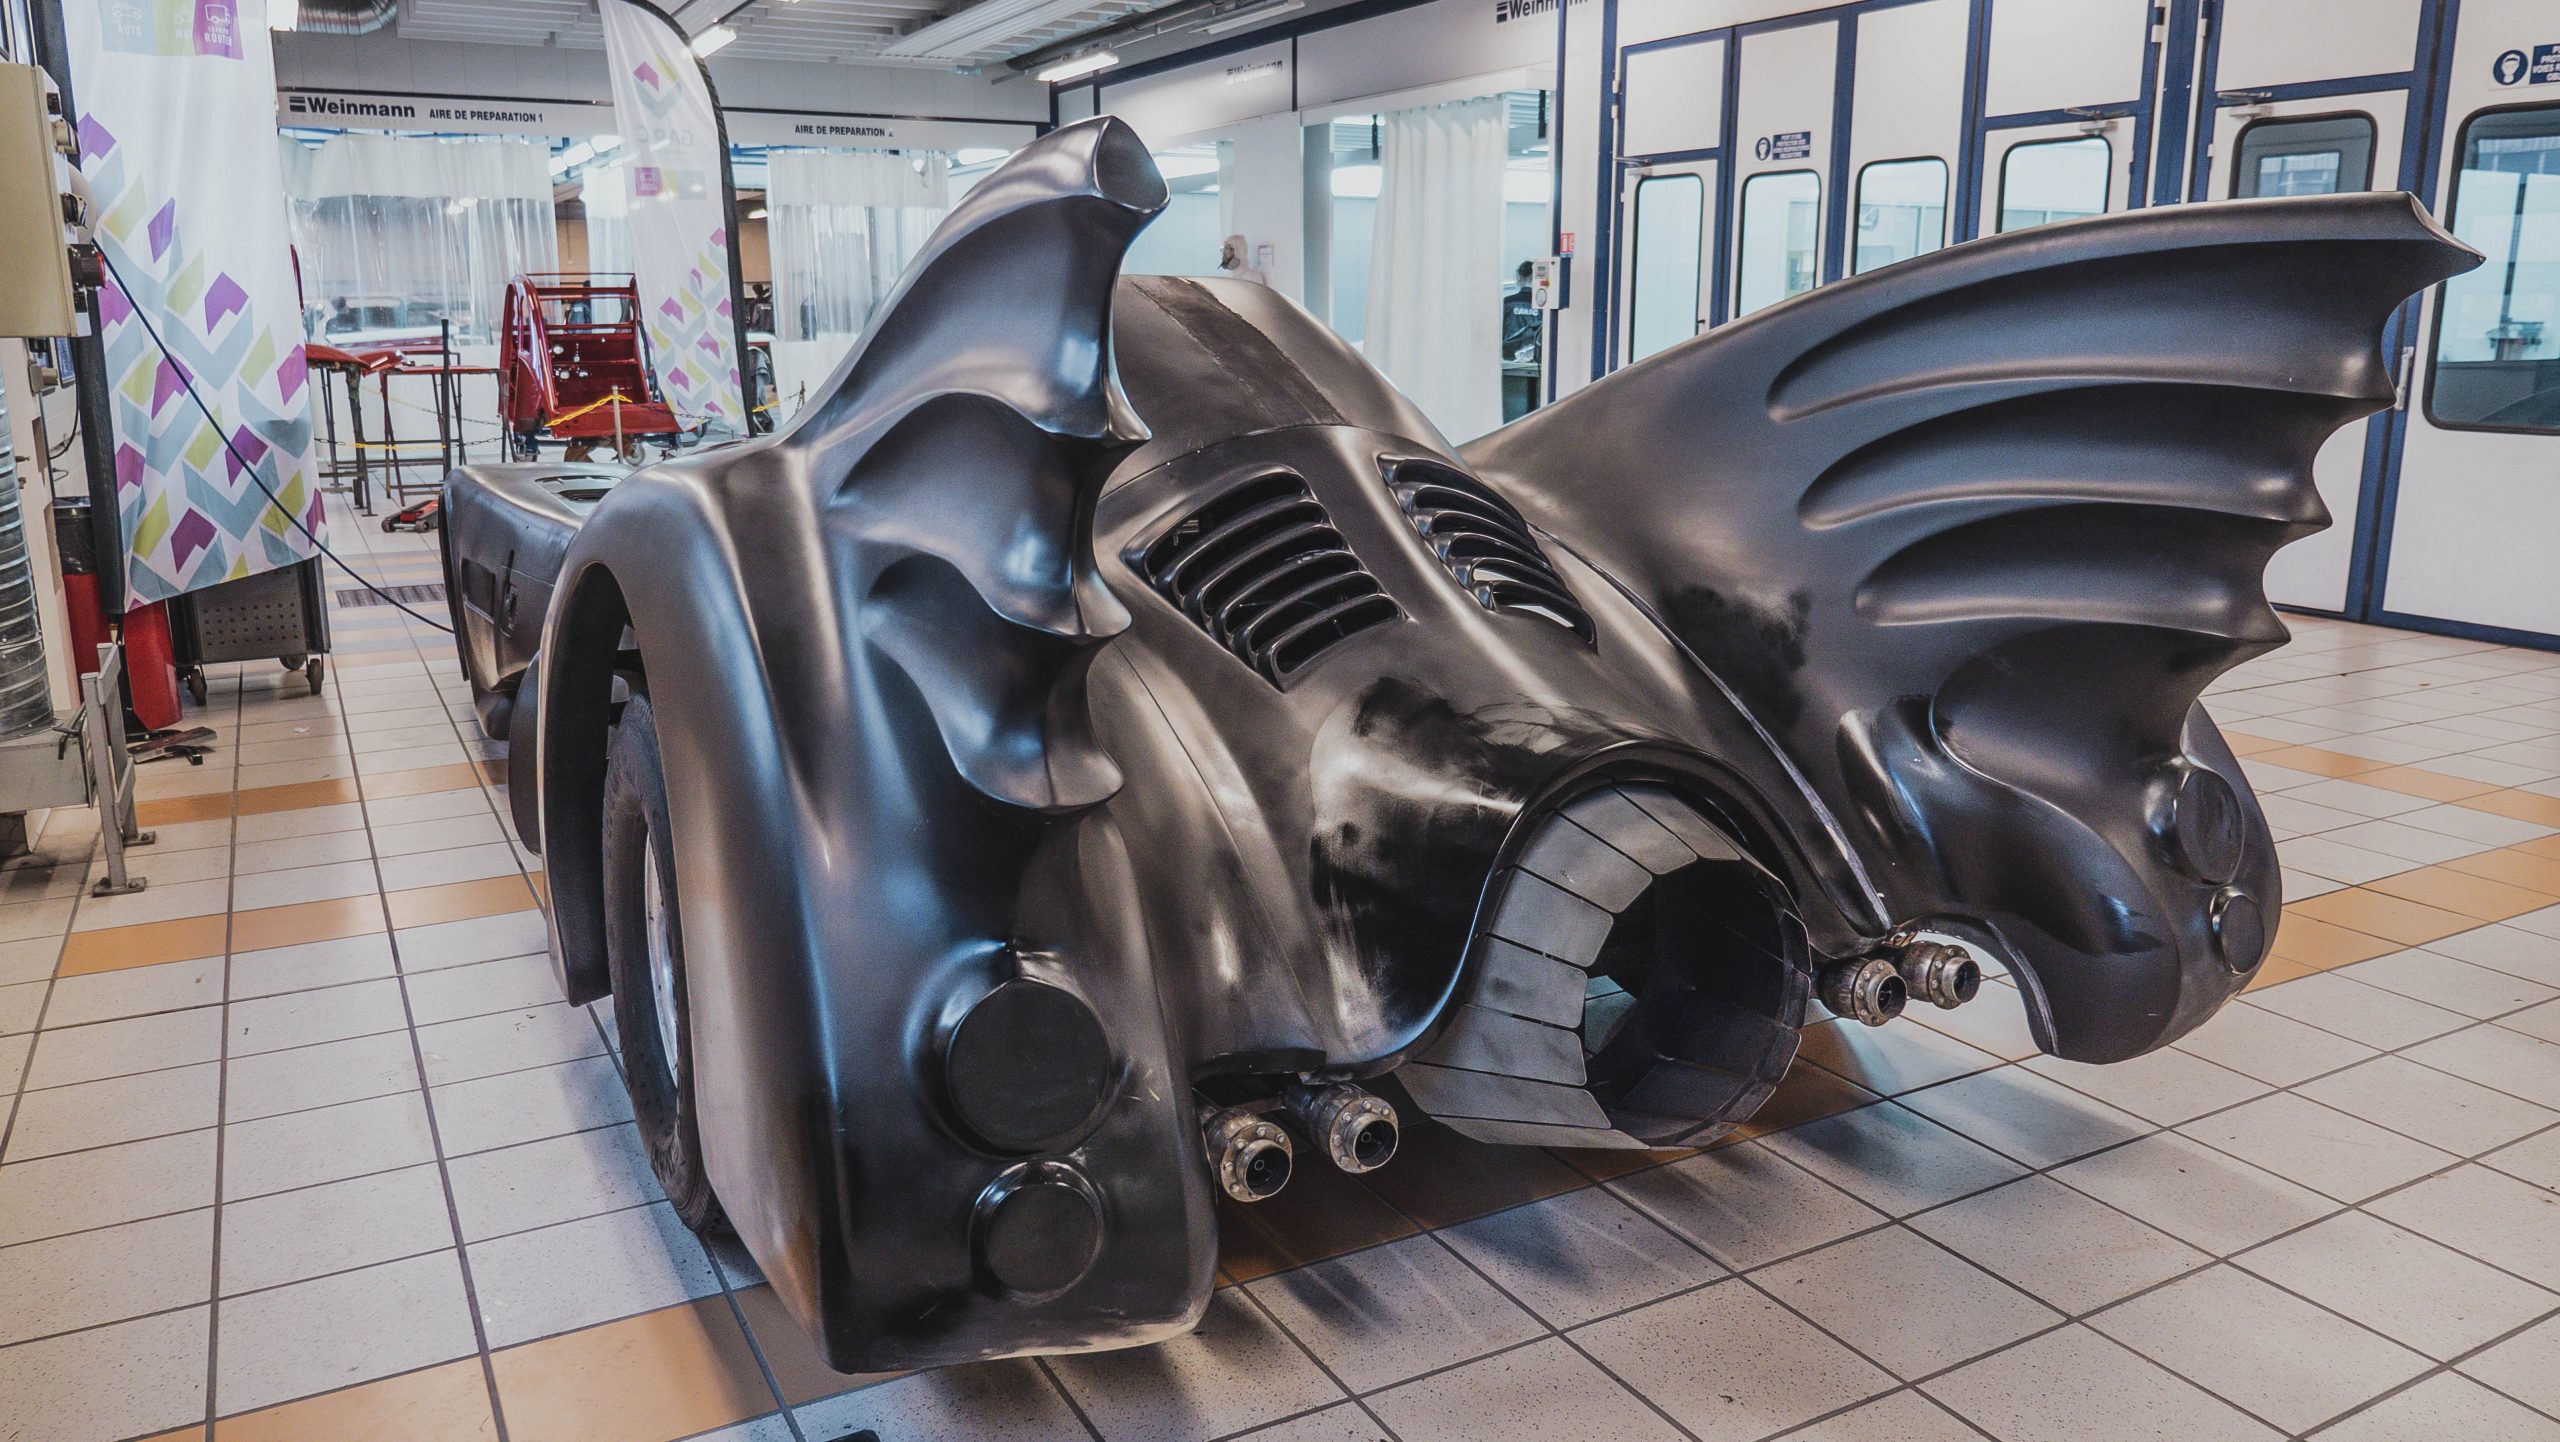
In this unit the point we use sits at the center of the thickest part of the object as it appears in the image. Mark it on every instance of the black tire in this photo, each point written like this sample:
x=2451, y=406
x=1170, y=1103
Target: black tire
x=635, y=817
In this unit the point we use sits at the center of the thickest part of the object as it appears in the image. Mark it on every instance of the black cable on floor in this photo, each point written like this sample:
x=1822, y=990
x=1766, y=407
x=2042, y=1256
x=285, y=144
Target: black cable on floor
x=246, y=468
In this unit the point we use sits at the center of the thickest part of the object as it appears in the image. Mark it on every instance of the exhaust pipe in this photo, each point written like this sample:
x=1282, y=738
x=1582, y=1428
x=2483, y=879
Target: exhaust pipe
x=1249, y=1154
x=1940, y=974
x=1868, y=989
x=1357, y=1130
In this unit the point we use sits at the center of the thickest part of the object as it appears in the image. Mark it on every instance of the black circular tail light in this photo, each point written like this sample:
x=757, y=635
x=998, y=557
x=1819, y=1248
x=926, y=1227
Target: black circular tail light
x=2207, y=829
x=1028, y=1067
x=1038, y=1229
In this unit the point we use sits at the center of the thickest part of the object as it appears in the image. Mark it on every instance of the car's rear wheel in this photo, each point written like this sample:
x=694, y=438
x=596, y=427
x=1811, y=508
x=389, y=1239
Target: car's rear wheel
x=644, y=946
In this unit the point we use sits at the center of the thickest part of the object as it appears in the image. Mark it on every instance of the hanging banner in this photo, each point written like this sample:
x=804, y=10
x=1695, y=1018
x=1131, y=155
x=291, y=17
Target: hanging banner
x=177, y=139
x=671, y=152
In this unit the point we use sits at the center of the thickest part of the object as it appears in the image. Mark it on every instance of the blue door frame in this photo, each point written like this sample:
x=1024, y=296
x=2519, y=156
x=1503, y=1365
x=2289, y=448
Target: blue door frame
x=1965, y=205
x=1978, y=139
x=2421, y=143
x=1613, y=169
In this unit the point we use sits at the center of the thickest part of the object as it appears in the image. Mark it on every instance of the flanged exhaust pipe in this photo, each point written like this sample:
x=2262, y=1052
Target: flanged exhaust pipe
x=1940, y=974
x=1248, y=1152
x=1869, y=989
x=1357, y=1130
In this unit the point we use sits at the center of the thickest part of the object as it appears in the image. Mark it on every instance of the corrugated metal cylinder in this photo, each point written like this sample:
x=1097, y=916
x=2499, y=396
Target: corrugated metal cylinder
x=26, y=695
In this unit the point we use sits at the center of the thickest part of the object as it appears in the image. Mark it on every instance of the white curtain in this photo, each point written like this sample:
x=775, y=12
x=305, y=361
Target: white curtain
x=1434, y=321
x=605, y=191
x=841, y=226
x=395, y=233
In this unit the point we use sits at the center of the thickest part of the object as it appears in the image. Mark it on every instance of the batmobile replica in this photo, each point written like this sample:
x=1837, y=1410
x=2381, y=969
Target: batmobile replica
x=1109, y=745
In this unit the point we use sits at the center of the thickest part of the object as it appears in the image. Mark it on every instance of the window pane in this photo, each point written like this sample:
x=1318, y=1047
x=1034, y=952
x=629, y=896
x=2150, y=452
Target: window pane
x=1902, y=212
x=1662, y=291
x=2049, y=180
x=1781, y=216
x=2498, y=327
x=2304, y=157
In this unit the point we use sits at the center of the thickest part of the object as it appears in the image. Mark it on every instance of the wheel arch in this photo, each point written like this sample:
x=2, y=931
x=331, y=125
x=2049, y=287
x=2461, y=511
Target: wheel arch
x=581, y=653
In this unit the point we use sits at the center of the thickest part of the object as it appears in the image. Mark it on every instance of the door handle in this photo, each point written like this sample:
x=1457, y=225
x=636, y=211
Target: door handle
x=2402, y=376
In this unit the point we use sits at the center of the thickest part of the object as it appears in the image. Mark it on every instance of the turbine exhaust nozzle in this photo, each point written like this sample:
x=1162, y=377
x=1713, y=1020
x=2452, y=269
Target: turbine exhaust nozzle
x=1357, y=1129
x=1868, y=990
x=1941, y=974
x=1249, y=1154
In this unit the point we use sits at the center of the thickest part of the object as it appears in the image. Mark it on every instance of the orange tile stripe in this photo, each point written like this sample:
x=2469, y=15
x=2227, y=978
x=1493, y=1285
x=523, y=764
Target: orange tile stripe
x=305, y=921
x=2515, y=866
x=2318, y=945
x=296, y=796
x=2458, y=891
x=459, y=776
x=2521, y=805
x=2376, y=913
x=117, y=948
x=440, y=1403
x=651, y=1378
x=178, y=810
x=2420, y=905
x=460, y=901
x=2435, y=786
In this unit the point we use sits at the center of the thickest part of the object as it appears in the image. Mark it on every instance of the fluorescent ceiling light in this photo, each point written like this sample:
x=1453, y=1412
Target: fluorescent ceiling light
x=978, y=155
x=712, y=41
x=758, y=213
x=284, y=14
x=1076, y=66
x=603, y=143
x=1250, y=15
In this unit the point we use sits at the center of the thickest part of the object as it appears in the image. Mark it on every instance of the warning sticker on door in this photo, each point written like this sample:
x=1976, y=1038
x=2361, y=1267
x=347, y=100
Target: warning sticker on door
x=2515, y=67
x=1786, y=145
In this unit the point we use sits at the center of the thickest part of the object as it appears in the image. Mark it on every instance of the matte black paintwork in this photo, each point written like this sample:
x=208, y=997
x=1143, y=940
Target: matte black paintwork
x=1905, y=588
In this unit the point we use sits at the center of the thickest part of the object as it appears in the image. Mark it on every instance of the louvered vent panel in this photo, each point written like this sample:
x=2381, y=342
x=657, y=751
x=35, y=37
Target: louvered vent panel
x=1485, y=544
x=1263, y=571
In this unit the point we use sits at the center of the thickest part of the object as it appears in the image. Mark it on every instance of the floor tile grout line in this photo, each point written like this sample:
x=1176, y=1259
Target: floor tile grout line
x=44, y=1004
x=282, y=1050
x=221, y=1100
x=2453, y=1365
x=1349, y=1393
x=719, y=1269
x=1074, y=1408
x=1927, y=1398
x=2339, y=1209
x=435, y=1136
x=321, y=1107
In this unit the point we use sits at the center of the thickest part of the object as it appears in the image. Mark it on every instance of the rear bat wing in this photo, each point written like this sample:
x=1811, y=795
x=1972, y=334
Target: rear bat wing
x=1970, y=535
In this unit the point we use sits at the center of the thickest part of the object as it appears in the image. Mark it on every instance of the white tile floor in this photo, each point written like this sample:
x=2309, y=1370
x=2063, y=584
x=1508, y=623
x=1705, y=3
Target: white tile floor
x=371, y=1174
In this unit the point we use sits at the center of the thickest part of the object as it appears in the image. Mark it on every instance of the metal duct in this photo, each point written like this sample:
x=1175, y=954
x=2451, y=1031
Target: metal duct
x=26, y=692
x=345, y=17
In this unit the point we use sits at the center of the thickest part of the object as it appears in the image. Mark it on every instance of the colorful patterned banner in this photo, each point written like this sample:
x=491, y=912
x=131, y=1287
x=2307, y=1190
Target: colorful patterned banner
x=679, y=215
x=177, y=138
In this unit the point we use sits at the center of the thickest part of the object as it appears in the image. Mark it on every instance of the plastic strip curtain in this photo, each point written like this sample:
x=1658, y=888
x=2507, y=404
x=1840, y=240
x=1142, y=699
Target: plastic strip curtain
x=395, y=233
x=841, y=227
x=1434, y=321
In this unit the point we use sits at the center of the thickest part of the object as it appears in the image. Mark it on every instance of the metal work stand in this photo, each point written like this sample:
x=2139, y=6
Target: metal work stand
x=111, y=773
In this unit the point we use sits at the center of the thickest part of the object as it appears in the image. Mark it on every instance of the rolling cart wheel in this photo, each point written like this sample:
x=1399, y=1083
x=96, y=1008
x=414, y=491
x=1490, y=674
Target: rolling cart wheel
x=195, y=683
x=387, y=524
x=313, y=670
